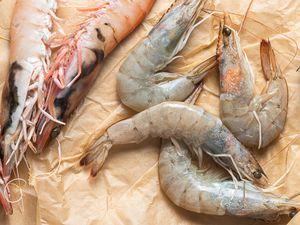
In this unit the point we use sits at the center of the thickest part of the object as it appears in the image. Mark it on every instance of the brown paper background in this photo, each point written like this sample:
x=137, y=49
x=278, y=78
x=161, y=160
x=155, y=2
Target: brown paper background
x=127, y=189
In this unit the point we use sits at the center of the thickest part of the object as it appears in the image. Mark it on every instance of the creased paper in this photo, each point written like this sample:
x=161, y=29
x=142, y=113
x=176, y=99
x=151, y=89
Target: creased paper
x=127, y=189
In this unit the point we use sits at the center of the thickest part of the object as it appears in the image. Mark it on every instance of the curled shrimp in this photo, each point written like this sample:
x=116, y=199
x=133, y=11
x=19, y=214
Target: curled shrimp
x=191, y=124
x=22, y=96
x=140, y=81
x=72, y=72
x=255, y=120
x=208, y=192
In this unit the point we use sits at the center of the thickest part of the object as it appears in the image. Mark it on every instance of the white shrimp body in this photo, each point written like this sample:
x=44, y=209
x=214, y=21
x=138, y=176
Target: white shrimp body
x=255, y=120
x=204, y=191
x=191, y=124
x=23, y=90
x=140, y=82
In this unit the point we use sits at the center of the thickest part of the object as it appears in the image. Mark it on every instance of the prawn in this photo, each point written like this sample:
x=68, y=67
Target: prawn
x=211, y=193
x=139, y=84
x=24, y=87
x=72, y=72
x=255, y=120
x=187, y=123
x=140, y=81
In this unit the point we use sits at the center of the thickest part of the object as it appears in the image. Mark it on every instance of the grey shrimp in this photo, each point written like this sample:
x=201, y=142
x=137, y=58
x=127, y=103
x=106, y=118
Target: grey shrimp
x=191, y=124
x=206, y=191
x=140, y=82
x=255, y=120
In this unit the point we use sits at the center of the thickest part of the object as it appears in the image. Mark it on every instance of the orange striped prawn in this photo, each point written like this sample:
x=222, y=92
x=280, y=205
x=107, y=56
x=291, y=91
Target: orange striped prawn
x=22, y=99
x=70, y=76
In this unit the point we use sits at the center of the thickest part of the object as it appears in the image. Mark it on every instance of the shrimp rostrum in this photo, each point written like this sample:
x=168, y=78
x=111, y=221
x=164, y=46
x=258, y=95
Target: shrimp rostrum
x=141, y=83
x=209, y=192
x=74, y=68
x=191, y=124
x=255, y=120
x=22, y=95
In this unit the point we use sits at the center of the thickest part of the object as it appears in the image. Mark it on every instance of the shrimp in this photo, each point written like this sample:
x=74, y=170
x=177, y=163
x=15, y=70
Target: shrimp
x=140, y=82
x=22, y=96
x=72, y=72
x=255, y=120
x=209, y=193
x=191, y=124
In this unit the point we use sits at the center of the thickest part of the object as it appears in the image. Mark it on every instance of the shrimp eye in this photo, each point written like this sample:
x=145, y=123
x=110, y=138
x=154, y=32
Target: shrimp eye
x=293, y=212
x=55, y=132
x=226, y=31
x=257, y=174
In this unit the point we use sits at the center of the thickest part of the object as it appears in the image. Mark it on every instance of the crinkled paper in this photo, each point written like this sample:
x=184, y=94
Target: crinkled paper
x=127, y=189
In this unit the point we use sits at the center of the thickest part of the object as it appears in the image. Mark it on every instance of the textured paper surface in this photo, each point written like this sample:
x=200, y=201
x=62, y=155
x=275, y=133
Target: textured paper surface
x=127, y=189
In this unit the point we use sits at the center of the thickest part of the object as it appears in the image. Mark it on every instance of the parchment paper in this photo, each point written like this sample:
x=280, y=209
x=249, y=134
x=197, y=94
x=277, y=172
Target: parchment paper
x=127, y=189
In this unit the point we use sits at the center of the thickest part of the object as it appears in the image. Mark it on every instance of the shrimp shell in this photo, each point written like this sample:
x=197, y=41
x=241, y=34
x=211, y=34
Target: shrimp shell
x=255, y=120
x=206, y=192
x=140, y=81
x=191, y=124
x=72, y=72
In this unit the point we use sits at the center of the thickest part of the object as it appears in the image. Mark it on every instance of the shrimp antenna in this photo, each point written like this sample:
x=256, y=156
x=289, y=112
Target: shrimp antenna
x=20, y=199
x=18, y=186
x=294, y=196
x=245, y=16
x=4, y=38
x=194, y=51
x=276, y=184
x=274, y=30
x=217, y=159
x=55, y=170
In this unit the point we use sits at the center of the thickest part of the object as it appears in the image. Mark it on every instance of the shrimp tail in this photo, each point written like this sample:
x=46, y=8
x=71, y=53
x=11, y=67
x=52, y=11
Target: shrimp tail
x=265, y=58
x=97, y=154
x=290, y=203
x=270, y=67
